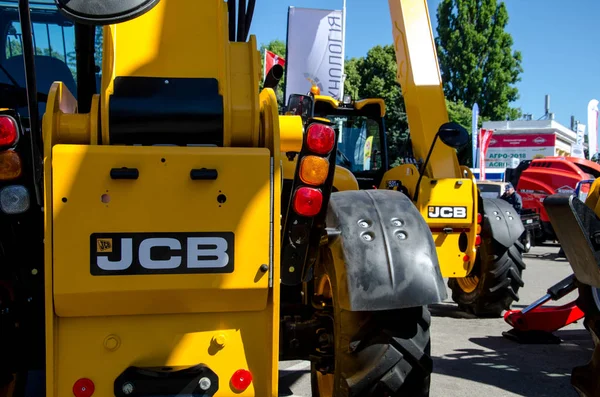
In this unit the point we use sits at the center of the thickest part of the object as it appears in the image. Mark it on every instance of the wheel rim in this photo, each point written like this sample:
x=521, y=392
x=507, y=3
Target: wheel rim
x=468, y=284
x=325, y=381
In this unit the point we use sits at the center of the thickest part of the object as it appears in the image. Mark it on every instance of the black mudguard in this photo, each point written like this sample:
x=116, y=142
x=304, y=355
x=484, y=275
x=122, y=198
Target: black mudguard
x=389, y=256
x=501, y=222
x=578, y=230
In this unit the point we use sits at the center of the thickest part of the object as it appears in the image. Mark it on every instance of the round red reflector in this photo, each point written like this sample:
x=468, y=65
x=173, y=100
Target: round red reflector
x=320, y=138
x=478, y=240
x=84, y=387
x=479, y=218
x=8, y=131
x=241, y=379
x=308, y=201
x=466, y=258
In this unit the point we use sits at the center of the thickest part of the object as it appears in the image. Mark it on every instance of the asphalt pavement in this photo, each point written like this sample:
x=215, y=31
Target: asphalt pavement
x=472, y=358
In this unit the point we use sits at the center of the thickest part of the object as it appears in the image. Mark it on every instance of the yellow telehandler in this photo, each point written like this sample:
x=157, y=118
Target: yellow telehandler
x=180, y=261
x=477, y=240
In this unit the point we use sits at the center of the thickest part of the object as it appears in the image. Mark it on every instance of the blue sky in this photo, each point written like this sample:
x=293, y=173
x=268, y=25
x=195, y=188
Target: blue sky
x=558, y=43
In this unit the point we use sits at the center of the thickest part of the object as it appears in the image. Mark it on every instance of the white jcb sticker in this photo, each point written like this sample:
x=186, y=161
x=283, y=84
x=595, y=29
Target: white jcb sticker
x=435, y=211
x=162, y=253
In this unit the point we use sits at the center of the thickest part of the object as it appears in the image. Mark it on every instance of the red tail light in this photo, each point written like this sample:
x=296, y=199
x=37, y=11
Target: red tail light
x=479, y=218
x=8, y=131
x=83, y=387
x=241, y=379
x=308, y=201
x=466, y=258
x=320, y=138
x=478, y=240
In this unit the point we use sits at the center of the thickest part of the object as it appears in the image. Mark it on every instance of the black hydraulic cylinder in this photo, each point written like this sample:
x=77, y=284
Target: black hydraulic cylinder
x=32, y=101
x=86, y=67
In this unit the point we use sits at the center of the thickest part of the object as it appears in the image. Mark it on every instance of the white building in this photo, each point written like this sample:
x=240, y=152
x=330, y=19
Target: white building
x=525, y=140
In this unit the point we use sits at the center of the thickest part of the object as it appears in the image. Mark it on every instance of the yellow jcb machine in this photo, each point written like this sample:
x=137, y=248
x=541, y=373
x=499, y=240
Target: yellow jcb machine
x=577, y=226
x=180, y=261
x=476, y=240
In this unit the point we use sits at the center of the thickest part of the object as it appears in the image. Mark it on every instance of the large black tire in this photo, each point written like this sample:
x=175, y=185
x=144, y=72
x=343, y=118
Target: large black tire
x=586, y=378
x=384, y=353
x=494, y=282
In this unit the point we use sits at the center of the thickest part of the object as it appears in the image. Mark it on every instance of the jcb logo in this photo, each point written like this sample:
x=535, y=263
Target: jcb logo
x=161, y=253
x=447, y=212
x=104, y=245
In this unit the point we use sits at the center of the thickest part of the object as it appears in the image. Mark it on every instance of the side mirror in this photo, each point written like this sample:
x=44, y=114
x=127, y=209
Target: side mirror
x=453, y=135
x=104, y=12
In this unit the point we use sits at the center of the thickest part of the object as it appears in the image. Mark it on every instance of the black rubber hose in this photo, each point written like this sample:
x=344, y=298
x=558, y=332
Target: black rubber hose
x=273, y=77
x=249, y=15
x=241, y=29
x=231, y=10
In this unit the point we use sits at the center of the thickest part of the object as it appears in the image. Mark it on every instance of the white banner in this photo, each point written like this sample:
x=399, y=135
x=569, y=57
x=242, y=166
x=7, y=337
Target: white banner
x=315, y=52
x=577, y=149
x=474, y=131
x=592, y=127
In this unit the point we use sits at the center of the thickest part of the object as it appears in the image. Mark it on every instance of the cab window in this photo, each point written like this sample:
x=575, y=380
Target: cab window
x=359, y=143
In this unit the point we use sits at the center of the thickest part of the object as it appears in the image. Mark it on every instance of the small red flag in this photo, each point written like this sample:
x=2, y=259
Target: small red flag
x=272, y=59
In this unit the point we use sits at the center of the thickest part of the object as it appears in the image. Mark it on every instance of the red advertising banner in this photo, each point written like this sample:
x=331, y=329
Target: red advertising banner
x=523, y=140
x=485, y=138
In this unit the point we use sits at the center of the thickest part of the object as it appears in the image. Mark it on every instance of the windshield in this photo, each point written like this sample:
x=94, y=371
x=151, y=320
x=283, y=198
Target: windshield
x=54, y=44
x=359, y=143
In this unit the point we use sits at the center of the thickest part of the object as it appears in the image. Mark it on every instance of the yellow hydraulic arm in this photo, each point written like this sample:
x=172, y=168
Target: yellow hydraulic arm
x=421, y=82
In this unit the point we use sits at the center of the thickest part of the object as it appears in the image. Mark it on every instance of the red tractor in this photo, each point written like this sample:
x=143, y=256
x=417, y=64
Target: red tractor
x=539, y=178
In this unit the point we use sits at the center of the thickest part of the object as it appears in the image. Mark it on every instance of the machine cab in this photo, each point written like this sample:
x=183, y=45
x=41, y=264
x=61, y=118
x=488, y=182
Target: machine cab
x=361, y=147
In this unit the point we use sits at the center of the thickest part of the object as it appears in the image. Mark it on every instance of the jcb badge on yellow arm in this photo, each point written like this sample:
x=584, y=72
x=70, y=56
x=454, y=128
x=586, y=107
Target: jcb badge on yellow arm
x=161, y=253
x=435, y=211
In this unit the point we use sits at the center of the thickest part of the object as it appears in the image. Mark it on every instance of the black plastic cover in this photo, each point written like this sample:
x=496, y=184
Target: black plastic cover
x=389, y=253
x=104, y=12
x=177, y=111
x=501, y=222
x=166, y=381
x=578, y=230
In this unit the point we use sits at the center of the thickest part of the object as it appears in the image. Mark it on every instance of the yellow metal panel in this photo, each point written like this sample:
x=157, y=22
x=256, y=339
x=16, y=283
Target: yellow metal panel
x=324, y=98
x=271, y=130
x=163, y=199
x=343, y=179
x=244, y=72
x=100, y=348
x=371, y=101
x=455, y=193
x=593, y=197
x=292, y=133
x=408, y=174
x=447, y=192
x=449, y=256
x=167, y=41
x=419, y=77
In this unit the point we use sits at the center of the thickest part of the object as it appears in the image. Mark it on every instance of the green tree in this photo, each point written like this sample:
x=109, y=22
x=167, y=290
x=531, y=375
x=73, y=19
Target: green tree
x=459, y=113
x=277, y=47
x=476, y=58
